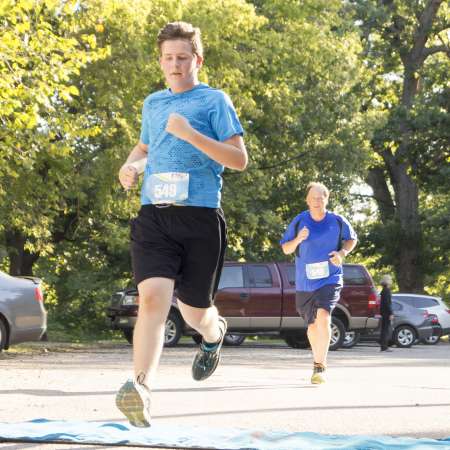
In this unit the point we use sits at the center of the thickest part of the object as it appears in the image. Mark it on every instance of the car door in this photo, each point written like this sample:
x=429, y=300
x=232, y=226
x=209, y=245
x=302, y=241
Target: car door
x=356, y=291
x=264, y=305
x=290, y=316
x=232, y=295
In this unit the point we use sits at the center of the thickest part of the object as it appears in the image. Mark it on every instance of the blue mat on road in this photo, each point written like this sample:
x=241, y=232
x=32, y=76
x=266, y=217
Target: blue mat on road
x=110, y=433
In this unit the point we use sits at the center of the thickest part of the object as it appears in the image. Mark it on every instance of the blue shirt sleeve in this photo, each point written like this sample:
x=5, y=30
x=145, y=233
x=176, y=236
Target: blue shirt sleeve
x=224, y=119
x=289, y=234
x=348, y=233
x=144, y=138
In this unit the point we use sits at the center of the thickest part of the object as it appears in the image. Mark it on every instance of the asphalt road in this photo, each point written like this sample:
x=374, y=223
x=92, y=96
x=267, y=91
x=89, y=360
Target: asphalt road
x=258, y=387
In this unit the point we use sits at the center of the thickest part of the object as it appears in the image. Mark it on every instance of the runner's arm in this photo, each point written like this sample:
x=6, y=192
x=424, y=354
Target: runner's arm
x=347, y=247
x=230, y=153
x=139, y=152
x=290, y=246
x=134, y=165
x=337, y=257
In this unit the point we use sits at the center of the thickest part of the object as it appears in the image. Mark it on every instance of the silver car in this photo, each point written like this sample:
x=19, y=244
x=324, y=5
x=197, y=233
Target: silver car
x=409, y=325
x=22, y=314
x=434, y=305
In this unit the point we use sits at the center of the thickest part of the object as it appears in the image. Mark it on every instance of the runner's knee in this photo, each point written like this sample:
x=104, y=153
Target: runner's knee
x=323, y=317
x=199, y=318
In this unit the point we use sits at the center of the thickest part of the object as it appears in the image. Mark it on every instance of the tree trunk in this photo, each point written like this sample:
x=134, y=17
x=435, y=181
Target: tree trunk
x=376, y=178
x=20, y=260
x=405, y=213
x=408, y=265
x=409, y=243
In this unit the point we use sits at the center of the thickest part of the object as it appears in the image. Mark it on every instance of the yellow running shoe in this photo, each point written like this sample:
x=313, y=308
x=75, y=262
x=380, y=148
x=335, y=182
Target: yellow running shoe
x=318, y=376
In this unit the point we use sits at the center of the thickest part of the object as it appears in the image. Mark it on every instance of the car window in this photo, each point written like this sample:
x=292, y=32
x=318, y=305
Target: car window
x=290, y=272
x=232, y=276
x=418, y=302
x=396, y=306
x=260, y=276
x=354, y=275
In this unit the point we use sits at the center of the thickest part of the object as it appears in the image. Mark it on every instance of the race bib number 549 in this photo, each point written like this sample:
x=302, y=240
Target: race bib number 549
x=169, y=187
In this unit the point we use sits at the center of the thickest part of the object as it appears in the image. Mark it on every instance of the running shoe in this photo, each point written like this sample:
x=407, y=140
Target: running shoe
x=133, y=400
x=207, y=359
x=318, y=376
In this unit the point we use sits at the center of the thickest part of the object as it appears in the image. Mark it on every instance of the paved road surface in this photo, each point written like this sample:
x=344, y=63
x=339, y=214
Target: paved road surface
x=403, y=393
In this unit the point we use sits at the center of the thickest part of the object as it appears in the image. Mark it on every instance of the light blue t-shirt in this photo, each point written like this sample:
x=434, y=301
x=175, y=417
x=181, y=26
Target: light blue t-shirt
x=323, y=239
x=208, y=110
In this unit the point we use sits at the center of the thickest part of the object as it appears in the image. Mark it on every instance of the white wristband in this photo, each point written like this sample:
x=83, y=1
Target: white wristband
x=139, y=165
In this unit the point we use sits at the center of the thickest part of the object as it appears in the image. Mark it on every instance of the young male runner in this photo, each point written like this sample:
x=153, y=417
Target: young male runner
x=189, y=132
x=322, y=240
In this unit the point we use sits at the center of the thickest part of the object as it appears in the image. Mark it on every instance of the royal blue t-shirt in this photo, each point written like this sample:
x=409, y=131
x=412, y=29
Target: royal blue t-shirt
x=323, y=239
x=211, y=112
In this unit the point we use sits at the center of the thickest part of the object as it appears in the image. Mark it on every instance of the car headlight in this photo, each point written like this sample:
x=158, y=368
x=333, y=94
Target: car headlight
x=129, y=300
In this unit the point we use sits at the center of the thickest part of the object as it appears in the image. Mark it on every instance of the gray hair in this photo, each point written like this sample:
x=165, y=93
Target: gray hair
x=386, y=280
x=317, y=185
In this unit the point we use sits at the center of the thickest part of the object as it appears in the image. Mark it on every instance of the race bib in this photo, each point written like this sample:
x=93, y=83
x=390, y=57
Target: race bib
x=169, y=187
x=318, y=270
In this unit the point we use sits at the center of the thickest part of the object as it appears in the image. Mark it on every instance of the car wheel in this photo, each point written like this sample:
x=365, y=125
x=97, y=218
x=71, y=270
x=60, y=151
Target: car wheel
x=128, y=335
x=351, y=338
x=434, y=339
x=3, y=335
x=297, y=341
x=337, y=334
x=173, y=331
x=233, y=340
x=404, y=336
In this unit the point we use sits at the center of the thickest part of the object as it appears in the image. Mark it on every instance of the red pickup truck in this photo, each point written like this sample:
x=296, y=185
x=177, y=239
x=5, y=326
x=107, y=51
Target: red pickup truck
x=259, y=298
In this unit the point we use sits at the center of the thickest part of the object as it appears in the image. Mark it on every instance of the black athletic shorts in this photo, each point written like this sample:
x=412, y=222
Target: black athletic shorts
x=184, y=243
x=325, y=297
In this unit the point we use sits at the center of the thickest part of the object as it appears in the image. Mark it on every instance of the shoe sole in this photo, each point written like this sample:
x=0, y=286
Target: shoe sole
x=222, y=320
x=130, y=404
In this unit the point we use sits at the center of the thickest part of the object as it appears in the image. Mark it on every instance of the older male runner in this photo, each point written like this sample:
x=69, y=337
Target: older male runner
x=321, y=240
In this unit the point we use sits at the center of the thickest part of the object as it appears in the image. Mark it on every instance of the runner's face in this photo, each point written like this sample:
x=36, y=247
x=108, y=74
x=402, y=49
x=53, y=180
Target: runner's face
x=316, y=200
x=179, y=65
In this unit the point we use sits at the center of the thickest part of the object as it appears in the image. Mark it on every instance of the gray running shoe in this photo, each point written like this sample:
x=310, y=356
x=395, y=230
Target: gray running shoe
x=133, y=400
x=206, y=361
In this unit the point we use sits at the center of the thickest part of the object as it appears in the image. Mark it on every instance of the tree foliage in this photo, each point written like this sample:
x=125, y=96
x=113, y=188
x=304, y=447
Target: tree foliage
x=73, y=77
x=44, y=45
x=406, y=50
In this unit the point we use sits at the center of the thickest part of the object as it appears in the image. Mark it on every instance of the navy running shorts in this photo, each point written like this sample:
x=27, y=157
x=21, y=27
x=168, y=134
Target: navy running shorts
x=325, y=297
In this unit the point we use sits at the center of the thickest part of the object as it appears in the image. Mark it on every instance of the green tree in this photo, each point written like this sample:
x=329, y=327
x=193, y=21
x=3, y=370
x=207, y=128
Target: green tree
x=42, y=48
x=302, y=69
x=291, y=69
x=406, y=50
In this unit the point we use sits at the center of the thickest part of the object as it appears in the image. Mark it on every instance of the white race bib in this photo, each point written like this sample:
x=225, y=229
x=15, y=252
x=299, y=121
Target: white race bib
x=318, y=270
x=168, y=187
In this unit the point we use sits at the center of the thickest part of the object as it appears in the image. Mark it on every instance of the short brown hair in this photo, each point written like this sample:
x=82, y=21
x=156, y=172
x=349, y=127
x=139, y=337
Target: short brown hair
x=181, y=30
x=322, y=187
